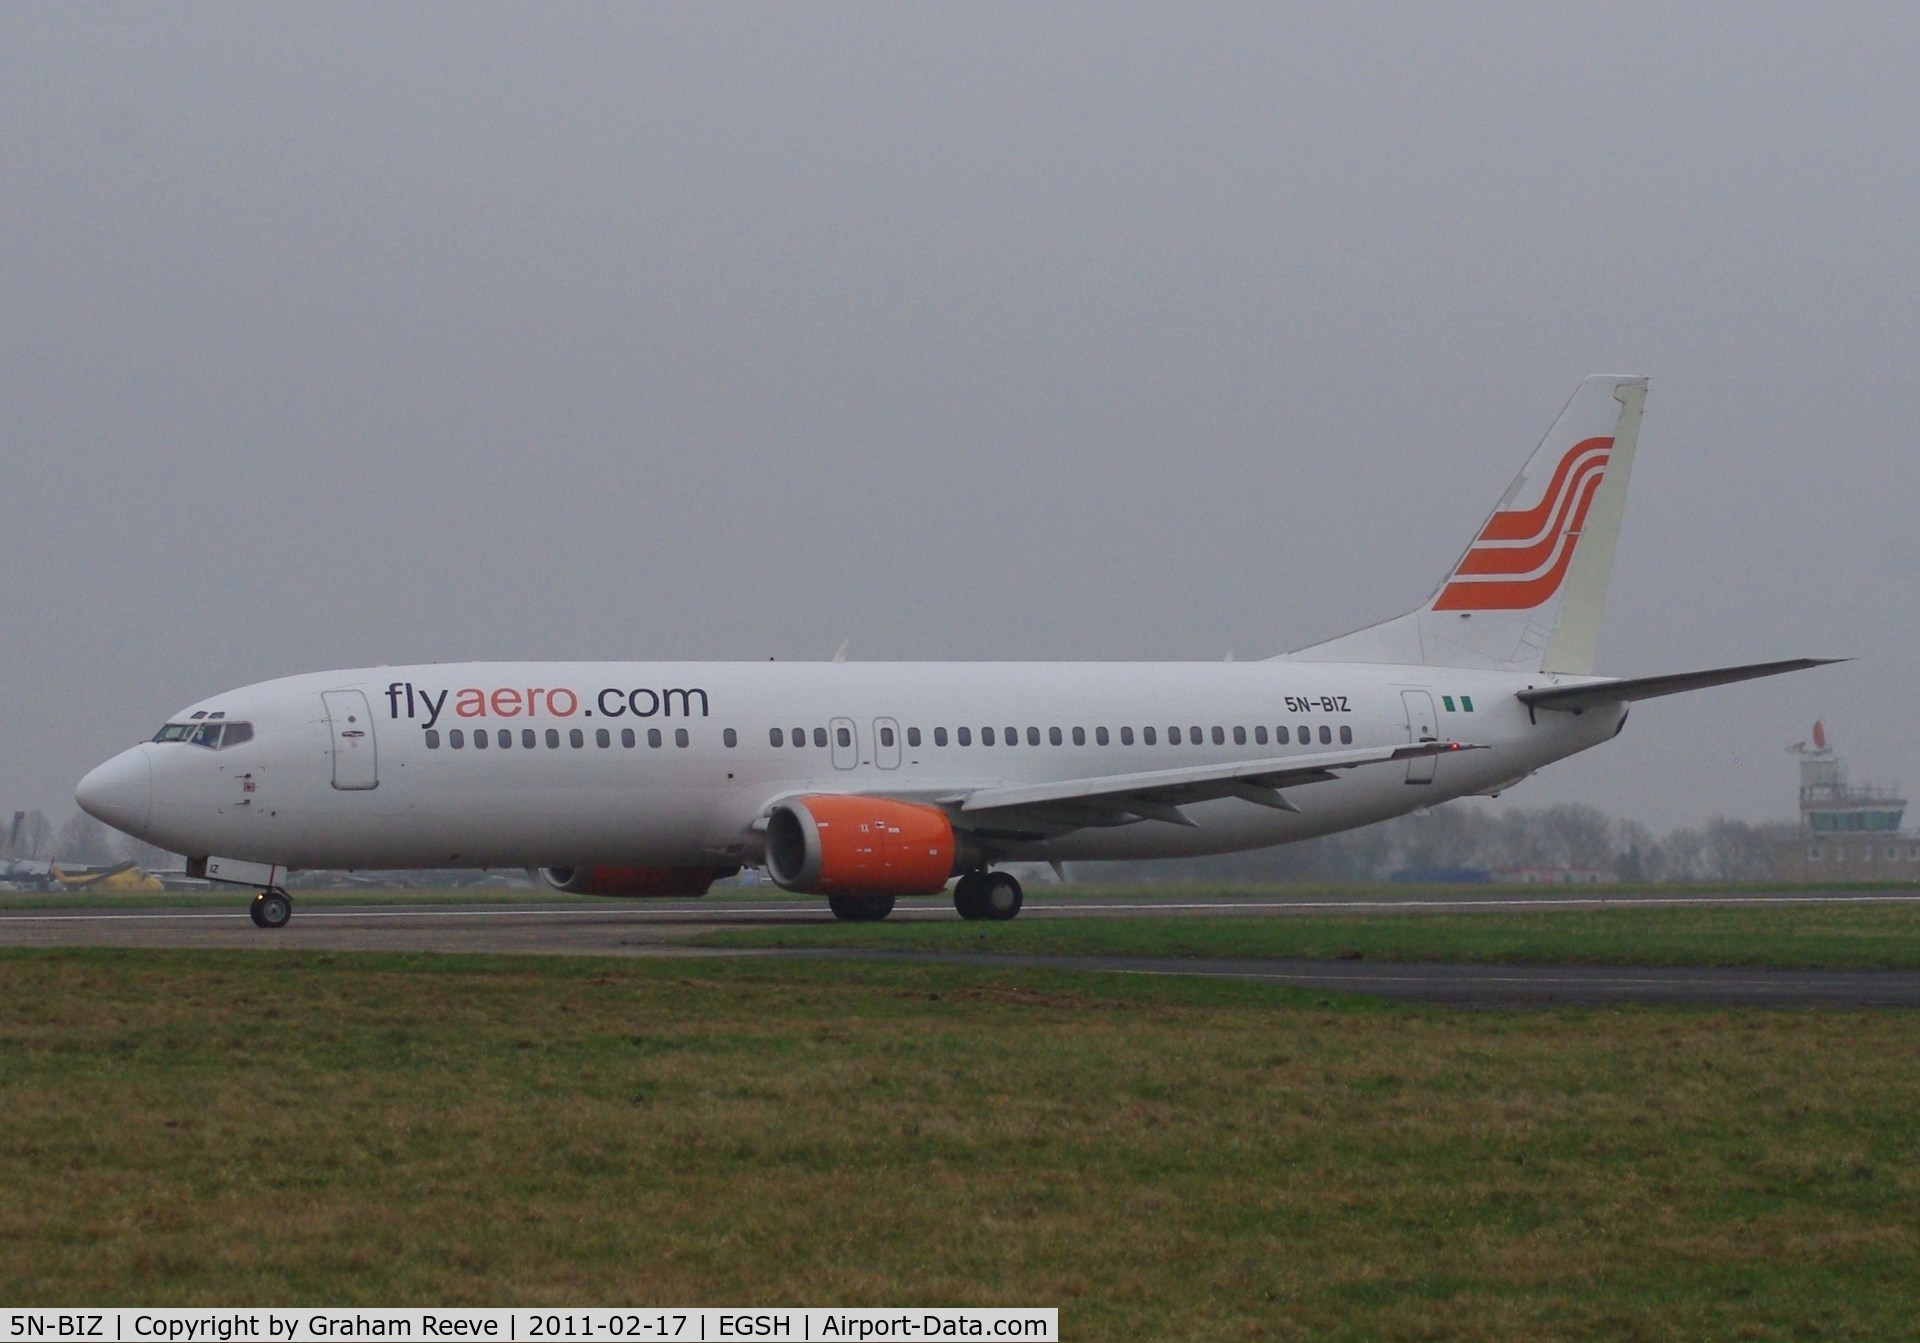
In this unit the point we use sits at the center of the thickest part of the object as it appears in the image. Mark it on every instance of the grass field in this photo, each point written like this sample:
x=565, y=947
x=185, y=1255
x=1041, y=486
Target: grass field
x=1806, y=935
x=1160, y=1159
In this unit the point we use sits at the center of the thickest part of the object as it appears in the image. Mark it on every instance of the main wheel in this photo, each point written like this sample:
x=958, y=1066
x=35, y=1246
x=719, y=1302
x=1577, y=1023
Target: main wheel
x=966, y=897
x=271, y=909
x=1000, y=897
x=860, y=908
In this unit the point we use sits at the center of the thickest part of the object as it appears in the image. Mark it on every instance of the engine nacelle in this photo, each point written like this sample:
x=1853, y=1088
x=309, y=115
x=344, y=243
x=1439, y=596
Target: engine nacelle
x=635, y=881
x=836, y=844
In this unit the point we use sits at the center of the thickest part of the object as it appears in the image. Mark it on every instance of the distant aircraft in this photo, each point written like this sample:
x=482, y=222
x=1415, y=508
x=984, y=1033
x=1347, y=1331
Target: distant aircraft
x=864, y=781
x=127, y=878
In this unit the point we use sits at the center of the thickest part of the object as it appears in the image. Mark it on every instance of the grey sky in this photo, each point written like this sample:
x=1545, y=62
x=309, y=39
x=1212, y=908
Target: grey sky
x=333, y=336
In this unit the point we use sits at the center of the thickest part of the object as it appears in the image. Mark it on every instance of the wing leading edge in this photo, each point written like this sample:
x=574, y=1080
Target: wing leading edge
x=1158, y=795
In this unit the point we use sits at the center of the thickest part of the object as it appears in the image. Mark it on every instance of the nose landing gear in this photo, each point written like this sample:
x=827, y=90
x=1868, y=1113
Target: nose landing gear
x=271, y=909
x=987, y=895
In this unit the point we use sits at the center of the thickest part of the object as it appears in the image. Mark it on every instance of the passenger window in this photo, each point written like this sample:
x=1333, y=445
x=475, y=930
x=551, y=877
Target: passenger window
x=963, y=735
x=1147, y=737
x=1239, y=736
x=986, y=736
x=1126, y=736
x=1220, y=736
x=1306, y=735
x=1079, y=736
x=1194, y=736
x=653, y=737
x=456, y=738
x=1281, y=736
x=843, y=735
x=1173, y=736
x=602, y=738
x=819, y=736
x=433, y=739
x=886, y=736
x=1053, y=735
x=1013, y=737
x=939, y=736
x=730, y=738
x=528, y=739
x=553, y=739
x=1346, y=735
x=775, y=737
x=1033, y=736
x=1260, y=734
x=626, y=737
x=913, y=736
x=506, y=738
x=576, y=738
x=1326, y=735
x=679, y=736
x=479, y=739
x=1100, y=735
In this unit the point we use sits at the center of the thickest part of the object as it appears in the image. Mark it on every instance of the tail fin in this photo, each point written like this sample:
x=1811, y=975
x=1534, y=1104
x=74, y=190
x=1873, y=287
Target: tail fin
x=1528, y=593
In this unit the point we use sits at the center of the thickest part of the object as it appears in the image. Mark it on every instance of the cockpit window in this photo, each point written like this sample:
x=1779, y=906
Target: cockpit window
x=211, y=733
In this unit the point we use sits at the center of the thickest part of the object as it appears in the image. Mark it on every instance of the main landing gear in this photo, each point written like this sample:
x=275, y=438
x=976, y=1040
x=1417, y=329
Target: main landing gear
x=860, y=908
x=987, y=895
x=271, y=908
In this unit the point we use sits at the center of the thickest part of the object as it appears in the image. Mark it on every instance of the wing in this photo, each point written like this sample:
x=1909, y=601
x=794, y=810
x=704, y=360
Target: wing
x=1038, y=810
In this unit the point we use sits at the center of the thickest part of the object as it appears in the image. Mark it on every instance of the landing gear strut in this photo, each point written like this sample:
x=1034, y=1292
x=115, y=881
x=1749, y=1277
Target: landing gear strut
x=987, y=895
x=860, y=908
x=271, y=909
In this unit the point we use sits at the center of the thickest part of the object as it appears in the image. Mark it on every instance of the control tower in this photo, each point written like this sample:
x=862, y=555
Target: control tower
x=1848, y=832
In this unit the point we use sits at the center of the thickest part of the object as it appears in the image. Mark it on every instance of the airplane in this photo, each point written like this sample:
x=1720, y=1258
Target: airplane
x=861, y=782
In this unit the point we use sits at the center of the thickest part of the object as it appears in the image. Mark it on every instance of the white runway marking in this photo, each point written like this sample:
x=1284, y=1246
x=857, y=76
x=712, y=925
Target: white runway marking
x=937, y=907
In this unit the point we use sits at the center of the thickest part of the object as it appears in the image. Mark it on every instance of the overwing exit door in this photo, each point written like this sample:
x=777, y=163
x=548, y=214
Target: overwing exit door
x=846, y=748
x=1422, y=725
x=354, y=763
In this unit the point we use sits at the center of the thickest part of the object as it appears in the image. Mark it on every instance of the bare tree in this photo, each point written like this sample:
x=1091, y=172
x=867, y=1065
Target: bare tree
x=83, y=839
x=31, y=835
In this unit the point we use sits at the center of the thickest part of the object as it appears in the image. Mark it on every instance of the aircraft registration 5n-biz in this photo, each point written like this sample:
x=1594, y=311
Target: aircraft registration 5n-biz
x=861, y=782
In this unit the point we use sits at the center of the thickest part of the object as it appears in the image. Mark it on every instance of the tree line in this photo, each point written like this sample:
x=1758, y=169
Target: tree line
x=1459, y=837
x=1567, y=836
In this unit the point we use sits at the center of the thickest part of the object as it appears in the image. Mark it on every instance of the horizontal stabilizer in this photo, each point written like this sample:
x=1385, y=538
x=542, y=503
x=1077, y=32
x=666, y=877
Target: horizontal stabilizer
x=1595, y=693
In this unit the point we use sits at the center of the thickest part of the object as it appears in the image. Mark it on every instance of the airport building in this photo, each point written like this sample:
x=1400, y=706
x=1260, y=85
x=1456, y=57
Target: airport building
x=1848, y=832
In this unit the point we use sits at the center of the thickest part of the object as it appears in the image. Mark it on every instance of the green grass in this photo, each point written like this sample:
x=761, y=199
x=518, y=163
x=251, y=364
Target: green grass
x=1160, y=1159
x=1804, y=935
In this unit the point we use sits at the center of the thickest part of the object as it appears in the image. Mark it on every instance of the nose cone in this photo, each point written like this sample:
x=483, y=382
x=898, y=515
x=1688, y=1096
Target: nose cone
x=119, y=792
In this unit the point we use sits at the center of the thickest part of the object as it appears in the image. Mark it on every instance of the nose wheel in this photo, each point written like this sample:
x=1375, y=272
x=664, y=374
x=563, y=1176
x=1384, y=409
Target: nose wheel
x=271, y=909
x=987, y=895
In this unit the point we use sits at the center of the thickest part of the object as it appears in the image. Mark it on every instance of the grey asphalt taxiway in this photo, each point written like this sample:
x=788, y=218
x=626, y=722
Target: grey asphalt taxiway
x=606, y=928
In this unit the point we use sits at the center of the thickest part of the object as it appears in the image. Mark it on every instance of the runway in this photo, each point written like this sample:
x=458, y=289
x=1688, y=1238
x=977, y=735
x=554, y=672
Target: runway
x=599, y=928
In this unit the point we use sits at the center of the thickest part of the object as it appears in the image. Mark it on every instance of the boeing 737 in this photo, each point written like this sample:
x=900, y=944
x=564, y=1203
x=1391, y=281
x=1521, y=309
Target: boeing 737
x=861, y=782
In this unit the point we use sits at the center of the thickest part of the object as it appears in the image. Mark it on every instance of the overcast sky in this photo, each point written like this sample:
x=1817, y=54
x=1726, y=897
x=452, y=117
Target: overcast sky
x=344, y=335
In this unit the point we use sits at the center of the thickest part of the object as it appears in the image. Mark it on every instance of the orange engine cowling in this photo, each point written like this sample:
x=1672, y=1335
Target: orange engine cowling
x=835, y=844
x=634, y=881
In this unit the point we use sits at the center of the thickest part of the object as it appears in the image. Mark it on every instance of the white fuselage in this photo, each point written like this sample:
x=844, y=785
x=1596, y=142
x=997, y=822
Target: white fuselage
x=579, y=779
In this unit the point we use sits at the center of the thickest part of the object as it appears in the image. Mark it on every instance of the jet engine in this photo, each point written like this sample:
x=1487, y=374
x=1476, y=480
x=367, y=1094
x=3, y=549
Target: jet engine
x=634, y=881
x=836, y=844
